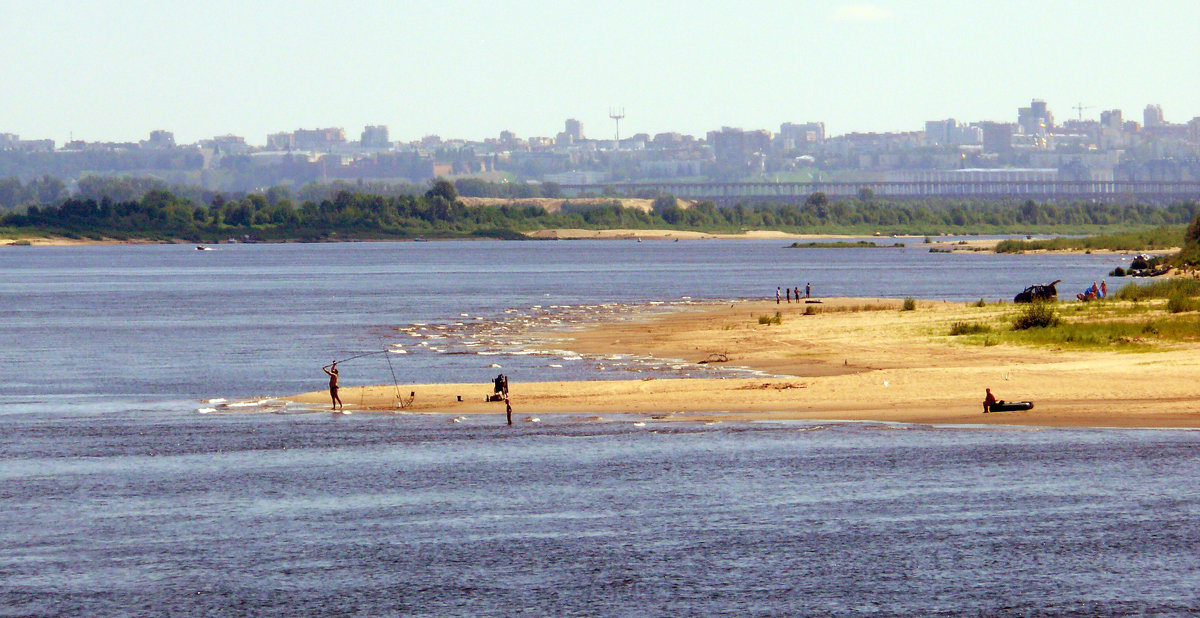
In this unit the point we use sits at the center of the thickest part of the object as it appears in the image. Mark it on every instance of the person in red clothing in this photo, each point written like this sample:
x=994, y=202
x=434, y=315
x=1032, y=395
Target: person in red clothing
x=989, y=401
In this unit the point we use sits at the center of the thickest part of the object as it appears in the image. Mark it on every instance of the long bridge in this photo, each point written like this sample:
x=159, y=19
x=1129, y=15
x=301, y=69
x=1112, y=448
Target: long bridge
x=1152, y=191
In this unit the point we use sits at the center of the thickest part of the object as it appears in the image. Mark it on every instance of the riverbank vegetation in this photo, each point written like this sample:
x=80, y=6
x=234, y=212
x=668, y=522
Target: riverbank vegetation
x=1138, y=317
x=132, y=209
x=1152, y=239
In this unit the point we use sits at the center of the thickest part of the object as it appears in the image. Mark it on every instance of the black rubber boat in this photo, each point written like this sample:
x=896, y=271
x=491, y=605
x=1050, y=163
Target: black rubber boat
x=1011, y=406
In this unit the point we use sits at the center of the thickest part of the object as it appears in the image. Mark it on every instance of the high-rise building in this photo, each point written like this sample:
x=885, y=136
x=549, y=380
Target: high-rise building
x=733, y=146
x=940, y=132
x=997, y=137
x=1035, y=120
x=160, y=140
x=574, y=128
x=1152, y=116
x=803, y=133
x=1111, y=119
x=375, y=136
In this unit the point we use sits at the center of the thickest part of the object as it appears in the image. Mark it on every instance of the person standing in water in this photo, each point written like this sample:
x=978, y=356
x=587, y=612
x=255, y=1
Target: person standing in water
x=332, y=370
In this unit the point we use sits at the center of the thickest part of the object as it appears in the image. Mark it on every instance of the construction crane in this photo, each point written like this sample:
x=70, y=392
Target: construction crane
x=1079, y=107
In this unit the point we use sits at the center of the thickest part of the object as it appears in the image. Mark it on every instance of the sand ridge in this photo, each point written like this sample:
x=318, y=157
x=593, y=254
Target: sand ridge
x=854, y=359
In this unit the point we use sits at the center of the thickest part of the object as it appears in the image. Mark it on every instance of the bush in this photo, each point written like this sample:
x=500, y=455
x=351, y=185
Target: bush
x=981, y=303
x=1179, y=303
x=968, y=328
x=1117, y=272
x=1036, y=315
x=771, y=319
x=1162, y=288
x=910, y=304
x=811, y=310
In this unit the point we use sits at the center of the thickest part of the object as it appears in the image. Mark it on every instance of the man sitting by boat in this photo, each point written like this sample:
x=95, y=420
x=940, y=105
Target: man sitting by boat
x=989, y=401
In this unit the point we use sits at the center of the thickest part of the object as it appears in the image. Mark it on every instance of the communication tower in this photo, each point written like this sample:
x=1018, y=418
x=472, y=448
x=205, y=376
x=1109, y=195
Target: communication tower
x=617, y=115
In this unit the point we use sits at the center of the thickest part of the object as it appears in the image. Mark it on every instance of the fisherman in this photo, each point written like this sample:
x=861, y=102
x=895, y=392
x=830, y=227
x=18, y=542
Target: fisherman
x=989, y=401
x=332, y=370
x=808, y=290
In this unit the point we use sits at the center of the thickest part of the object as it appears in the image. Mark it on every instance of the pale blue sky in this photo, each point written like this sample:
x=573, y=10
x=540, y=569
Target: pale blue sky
x=116, y=70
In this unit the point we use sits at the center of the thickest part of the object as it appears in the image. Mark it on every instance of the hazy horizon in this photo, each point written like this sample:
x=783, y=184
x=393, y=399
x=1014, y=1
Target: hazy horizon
x=115, y=71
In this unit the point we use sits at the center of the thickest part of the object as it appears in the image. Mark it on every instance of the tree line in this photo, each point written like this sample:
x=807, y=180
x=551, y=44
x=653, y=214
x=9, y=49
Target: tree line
x=131, y=208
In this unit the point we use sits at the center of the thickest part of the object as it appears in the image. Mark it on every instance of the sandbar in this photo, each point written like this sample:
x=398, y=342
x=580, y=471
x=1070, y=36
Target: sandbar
x=837, y=360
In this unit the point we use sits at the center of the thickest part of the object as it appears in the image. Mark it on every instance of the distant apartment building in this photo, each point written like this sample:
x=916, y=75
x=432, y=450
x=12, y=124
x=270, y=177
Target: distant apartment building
x=226, y=144
x=13, y=142
x=997, y=137
x=574, y=128
x=281, y=141
x=1152, y=116
x=319, y=139
x=733, y=146
x=950, y=132
x=1035, y=119
x=800, y=136
x=375, y=136
x=509, y=140
x=159, y=140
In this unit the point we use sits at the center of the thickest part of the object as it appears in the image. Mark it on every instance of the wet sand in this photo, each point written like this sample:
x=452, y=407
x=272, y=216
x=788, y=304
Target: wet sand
x=856, y=359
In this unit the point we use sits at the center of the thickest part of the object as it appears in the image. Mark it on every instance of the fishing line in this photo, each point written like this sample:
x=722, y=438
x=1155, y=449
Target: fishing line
x=362, y=355
x=395, y=382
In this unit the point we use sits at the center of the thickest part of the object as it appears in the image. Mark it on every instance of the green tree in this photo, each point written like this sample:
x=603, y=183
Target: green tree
x=444, y=189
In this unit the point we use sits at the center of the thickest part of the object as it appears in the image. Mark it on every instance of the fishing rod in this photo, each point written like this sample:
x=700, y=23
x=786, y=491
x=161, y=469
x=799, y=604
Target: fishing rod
x=391, y=369
x=361, y=355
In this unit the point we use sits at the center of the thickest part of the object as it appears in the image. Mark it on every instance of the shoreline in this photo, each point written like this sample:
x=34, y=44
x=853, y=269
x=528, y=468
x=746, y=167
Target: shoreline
x=855, y=360
x=987, y=245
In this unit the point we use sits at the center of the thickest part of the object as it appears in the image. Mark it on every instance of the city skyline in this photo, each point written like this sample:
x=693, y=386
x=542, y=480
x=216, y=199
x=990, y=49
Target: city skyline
x=115, y=71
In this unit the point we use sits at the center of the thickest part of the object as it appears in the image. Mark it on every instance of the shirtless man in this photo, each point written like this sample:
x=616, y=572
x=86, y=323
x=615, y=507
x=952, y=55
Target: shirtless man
x=332, y=370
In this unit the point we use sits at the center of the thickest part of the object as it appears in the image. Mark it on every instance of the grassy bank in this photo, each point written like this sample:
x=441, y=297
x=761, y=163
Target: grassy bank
x=1138, y=317
x=1155, y=239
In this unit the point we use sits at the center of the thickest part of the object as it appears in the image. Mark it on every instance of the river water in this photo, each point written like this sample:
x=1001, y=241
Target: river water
x=120, y=498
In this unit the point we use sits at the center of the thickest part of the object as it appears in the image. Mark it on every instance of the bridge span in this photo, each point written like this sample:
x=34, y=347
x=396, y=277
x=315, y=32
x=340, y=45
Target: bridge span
x=1151, y=191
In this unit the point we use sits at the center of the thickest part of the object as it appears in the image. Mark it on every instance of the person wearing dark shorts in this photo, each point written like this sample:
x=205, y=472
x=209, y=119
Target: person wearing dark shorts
x=332, y=370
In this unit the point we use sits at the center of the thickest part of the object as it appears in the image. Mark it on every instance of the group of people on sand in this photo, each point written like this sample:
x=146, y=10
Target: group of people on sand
x=1094, y=292
x=780, y=292
x=501, y=389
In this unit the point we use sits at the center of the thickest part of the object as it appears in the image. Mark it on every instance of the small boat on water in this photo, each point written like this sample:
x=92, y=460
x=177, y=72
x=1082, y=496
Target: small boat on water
x=203, y=248
x=420, y=239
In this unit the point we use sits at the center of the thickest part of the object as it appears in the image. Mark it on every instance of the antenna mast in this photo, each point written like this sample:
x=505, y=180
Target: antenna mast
x=617, y=115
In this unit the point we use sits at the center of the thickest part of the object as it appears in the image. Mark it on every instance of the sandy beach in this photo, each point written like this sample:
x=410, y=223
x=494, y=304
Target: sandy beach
x=853, y=360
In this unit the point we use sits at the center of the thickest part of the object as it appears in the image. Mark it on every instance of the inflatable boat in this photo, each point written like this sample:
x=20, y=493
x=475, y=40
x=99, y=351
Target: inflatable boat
x=1010, y=406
